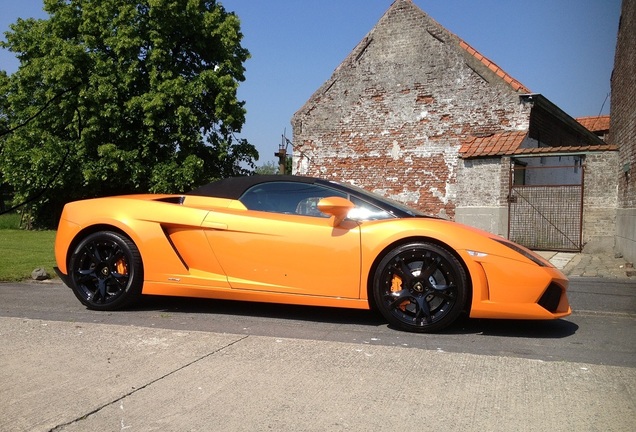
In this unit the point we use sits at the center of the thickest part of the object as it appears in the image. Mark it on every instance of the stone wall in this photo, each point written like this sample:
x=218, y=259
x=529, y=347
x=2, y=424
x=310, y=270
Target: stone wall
x=623, y=129
x=484, y=185
x=392, y=117
x=599, y=202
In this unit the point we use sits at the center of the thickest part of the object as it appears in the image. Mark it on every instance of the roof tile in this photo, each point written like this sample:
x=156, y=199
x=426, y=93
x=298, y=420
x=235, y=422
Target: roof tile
x=516, y=85
x=509, y=144
x=497, y=144
x=595, y=123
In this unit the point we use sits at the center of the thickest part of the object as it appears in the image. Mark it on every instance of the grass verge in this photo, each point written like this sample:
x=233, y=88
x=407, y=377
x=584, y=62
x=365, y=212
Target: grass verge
x=22, y=251
x=9, y=221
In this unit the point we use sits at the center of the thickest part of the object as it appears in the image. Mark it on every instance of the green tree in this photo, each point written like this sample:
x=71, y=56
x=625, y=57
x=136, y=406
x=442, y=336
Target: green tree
x=270, y=167
x=116, y=96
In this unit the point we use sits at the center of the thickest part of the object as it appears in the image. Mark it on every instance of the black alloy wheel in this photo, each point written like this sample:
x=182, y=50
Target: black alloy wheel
x=420, y=287
x=106, y=271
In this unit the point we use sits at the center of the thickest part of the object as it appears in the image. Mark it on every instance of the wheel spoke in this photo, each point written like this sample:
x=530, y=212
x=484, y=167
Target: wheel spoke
x=115, y=255
x=99, y=296
x=93, y=254
x=445, y=293
x=397, y=298
x=118, y=277
x=86, y=275
x=428, y=272
x=423, y=308
x=404, y=271
x=97, y=285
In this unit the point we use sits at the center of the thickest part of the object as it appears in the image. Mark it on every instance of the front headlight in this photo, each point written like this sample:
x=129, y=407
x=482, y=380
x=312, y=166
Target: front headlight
x=526, y=253
x=476, y=254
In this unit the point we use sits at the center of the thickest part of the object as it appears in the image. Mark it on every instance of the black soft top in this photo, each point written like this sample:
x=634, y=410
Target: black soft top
x=234, y=187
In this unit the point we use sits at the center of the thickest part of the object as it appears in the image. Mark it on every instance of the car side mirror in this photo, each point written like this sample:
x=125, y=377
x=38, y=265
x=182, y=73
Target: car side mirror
x=337, y=207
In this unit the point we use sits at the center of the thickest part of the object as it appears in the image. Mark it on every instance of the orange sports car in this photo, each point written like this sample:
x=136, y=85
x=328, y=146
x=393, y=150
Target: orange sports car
x=300, y=240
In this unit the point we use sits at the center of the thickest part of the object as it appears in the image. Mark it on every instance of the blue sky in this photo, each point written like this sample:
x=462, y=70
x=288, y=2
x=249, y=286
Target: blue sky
x=560, y=48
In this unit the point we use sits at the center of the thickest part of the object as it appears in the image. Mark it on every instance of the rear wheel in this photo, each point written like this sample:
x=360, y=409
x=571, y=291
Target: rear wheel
x=106, y=272
x=420, y=287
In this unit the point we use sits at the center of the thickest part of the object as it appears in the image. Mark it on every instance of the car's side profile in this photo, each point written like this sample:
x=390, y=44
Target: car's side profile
x=300, y=240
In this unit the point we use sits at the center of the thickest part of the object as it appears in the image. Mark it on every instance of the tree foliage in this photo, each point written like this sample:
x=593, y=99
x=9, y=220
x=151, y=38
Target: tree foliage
x=116, y=96
x=267, y=168
x=272, y=167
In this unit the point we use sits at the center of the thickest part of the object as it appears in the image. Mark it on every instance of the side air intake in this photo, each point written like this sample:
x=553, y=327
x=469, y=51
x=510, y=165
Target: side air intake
x=551, y=297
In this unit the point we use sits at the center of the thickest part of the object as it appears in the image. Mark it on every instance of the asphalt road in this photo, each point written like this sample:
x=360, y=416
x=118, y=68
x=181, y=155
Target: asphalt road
x=600, y=330
x=201, y=365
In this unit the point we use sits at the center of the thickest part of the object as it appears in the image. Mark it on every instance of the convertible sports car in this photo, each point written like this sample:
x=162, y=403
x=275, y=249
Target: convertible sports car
x=300, y=240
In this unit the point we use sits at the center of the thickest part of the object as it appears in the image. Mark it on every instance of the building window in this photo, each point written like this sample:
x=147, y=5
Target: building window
x=519, y=173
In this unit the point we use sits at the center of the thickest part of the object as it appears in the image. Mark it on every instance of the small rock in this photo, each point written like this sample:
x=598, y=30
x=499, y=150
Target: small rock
x=40, y=274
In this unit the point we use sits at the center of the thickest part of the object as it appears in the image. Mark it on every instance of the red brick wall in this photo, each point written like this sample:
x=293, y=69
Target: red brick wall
x=623, y=105
x=392, y=117
x=623, y=129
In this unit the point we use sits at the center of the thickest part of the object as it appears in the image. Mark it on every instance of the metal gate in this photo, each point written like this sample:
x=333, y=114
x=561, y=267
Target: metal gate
x=546, y=216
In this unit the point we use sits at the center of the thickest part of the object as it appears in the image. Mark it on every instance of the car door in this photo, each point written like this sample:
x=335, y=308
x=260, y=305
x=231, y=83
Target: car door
x=282, y=243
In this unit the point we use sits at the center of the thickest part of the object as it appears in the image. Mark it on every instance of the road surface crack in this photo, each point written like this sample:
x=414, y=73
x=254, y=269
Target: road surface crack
x=135, y=390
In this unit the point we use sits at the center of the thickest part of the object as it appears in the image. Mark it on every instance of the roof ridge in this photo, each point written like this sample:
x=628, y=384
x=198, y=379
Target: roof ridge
x=515, y=84
x=592, y=116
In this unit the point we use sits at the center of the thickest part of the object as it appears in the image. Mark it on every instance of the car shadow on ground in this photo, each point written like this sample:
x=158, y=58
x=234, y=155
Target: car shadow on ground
x=186, y=305
x=550, y=329
x=540, y=329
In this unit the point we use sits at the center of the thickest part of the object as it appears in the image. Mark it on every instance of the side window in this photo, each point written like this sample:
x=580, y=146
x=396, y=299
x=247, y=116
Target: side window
x=288, y=198
x=366, y=211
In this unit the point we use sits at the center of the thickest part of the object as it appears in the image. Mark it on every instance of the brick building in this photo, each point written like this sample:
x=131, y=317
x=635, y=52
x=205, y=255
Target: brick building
x=416, y=114
x=623, y=129
x=545, y=187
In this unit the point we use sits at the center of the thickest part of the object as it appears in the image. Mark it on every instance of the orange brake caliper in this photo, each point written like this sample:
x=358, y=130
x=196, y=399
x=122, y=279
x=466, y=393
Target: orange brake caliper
x=396, y=285
x=122, y=269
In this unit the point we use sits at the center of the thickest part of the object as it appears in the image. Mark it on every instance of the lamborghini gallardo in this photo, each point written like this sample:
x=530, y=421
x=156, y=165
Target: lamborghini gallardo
x=300, y=240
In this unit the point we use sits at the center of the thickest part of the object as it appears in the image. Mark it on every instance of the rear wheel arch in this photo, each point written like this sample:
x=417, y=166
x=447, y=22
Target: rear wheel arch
x=105, y=268
x=91, y=230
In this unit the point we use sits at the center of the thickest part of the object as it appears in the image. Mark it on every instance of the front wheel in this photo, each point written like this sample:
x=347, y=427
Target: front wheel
x=105, y=271
x=420, y=287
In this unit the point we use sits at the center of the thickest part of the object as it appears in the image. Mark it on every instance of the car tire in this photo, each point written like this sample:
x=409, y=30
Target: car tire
x=420, y=287
x=106, y=271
